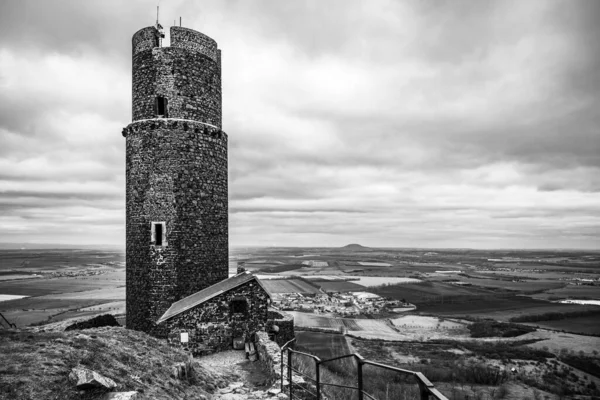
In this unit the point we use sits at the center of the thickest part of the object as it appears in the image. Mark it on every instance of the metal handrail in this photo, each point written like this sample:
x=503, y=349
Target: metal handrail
x=426, y=388
x=304, y=375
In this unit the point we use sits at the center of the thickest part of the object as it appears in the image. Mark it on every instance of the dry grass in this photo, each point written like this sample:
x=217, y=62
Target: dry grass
x=37, y=365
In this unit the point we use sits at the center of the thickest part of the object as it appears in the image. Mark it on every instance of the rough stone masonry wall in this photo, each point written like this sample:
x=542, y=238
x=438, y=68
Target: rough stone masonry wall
x=195, y=41
x=269, y=355
x=285, y=323
x=176, y=172
x=144, y=39
x=187, y=74
x=211, y=326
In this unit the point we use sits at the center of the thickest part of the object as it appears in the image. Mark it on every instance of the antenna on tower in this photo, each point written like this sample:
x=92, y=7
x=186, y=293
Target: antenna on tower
x=159, y=27
x=180, y=22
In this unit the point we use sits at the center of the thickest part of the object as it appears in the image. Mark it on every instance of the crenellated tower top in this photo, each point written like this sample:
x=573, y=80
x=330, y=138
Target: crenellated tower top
x=182, y=81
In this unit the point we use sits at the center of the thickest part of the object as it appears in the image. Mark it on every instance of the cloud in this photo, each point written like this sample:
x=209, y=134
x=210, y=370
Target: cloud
x=389, y=123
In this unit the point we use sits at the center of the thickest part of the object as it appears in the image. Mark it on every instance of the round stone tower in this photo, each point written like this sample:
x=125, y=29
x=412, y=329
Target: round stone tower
x=176, y=171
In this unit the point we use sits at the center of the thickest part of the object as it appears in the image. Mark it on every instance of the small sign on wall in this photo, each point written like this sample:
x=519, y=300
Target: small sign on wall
x=184, y=337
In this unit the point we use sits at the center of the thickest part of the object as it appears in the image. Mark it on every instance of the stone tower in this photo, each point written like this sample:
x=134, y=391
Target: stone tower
x=176, y=171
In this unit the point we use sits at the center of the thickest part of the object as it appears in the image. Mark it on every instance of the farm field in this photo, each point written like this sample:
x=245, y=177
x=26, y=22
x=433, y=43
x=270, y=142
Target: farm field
x=428, y=323
x=415, y=327
x=507, y=314
x=110, y=293
x=323, y=345
x=523, y=274
x=21, y=318
x=308, y=320
x=571, y=291
x=274, y=269
x=49, y=260
x=501, y=307
x=51, y=299
x=40, y=287
x=339, y=286
x=289, y=286
x=374, y=264
x=7, y=297
x=115, y=308
x=428, y=268
x=557, y=341
x=371, y=281
x=589, y=325
x=521, y=286
x=428, y=291
x=8, y=276
x=306, y=270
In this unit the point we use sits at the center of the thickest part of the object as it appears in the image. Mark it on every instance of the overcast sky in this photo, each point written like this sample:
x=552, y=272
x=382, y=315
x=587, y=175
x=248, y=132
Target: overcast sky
x=417, y=123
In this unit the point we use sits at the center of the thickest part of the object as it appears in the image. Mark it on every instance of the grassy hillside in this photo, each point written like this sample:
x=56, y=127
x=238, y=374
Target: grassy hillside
x=37, y=365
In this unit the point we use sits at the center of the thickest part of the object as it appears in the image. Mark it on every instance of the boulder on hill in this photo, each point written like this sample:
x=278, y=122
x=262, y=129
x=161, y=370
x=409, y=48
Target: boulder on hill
x=96, y=322
x=85, y=379
x=121, y=396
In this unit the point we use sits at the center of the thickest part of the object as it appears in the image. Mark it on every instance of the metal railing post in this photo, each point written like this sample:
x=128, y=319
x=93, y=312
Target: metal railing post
x=359, y=363
x=423, y=390
x=282, y=369
x=425, y=386
x=426, y=389
x=290, y=371
x=318, y=378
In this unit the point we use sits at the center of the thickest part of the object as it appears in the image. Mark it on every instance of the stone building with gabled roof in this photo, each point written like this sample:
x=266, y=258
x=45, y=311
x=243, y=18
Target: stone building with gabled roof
x=210, y=320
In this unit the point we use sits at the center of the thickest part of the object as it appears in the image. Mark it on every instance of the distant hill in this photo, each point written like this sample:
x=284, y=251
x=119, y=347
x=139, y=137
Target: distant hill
x=356, y=247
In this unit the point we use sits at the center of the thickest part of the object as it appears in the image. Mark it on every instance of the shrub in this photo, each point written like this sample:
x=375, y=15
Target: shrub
x=96, y=322
x=482, y=374
x=553, y=316
x=502, y=392
x=505, y=351
x=490, y=328
x=586, y=364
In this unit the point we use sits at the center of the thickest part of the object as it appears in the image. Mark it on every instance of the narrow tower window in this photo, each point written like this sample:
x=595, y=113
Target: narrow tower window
x=158, y=234
x=161, y=106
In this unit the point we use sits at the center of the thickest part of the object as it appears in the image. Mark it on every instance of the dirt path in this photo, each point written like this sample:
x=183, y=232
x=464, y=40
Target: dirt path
x=248, y=379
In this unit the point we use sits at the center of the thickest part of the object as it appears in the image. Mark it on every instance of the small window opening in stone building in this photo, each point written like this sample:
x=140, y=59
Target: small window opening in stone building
x=158, y=234
x=239, y=306
x=161, y=106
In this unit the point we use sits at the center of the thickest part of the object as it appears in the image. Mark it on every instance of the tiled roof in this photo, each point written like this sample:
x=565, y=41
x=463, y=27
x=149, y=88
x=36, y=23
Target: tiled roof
x=208, y=293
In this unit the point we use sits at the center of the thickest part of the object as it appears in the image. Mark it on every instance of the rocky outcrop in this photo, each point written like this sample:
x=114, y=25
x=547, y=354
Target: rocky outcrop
x=238, y=391
x=85, y=379
x=121, y=396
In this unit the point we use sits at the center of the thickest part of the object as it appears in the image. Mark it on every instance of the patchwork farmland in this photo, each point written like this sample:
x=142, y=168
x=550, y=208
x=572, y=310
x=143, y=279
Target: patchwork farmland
x=323, y=345
x=401, y=329
x=293, y=285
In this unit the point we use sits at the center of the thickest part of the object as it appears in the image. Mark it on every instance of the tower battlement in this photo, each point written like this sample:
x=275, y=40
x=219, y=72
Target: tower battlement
x=192, y=40
x=180, y=81
x=145, y=39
